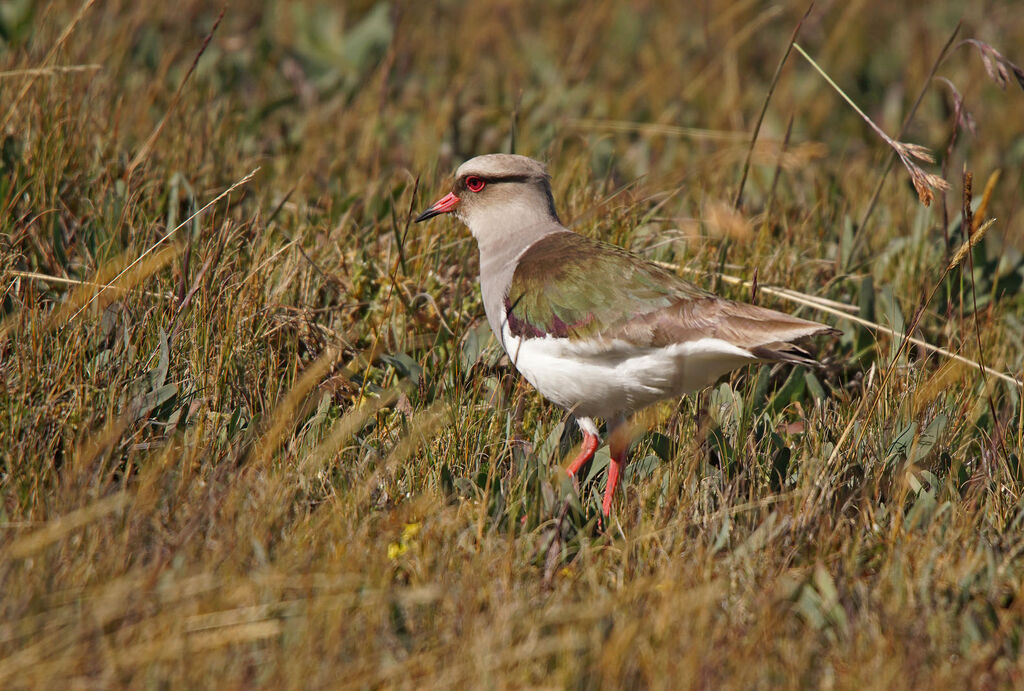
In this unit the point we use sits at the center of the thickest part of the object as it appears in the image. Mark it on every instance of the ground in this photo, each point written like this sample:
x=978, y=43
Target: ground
x=254, y=430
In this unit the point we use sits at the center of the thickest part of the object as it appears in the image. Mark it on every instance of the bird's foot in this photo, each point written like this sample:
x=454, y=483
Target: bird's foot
x=590, y=444
x=615, y=466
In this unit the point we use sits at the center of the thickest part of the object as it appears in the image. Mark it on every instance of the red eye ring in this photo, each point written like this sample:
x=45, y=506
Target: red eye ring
x=474, y=184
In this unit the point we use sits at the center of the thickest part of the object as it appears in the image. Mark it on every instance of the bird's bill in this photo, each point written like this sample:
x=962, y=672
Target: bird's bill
x=441, y=206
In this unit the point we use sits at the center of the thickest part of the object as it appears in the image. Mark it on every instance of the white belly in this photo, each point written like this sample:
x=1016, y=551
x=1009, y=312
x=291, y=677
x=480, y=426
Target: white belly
x=602, y=378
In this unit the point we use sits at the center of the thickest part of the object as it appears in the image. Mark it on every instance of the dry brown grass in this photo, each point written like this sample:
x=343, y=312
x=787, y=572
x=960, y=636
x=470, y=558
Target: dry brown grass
x=282, y=450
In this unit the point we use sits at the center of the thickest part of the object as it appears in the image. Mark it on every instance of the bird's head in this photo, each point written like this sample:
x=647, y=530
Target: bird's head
x=498, y=193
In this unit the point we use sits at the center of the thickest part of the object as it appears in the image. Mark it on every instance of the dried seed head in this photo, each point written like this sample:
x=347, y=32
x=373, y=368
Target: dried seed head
x=969, y=244
x=924, y=182
x=996, y=64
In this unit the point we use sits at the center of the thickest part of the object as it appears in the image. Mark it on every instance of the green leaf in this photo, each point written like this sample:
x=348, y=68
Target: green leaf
x=662, y=445
x=791, y=391
x=930, y=437
x=475, y=342
x=405, y=365
x=597, y=466
x=780, y=468
x=900, y=446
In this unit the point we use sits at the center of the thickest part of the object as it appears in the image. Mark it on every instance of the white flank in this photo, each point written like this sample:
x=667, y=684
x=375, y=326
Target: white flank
x=598, y=378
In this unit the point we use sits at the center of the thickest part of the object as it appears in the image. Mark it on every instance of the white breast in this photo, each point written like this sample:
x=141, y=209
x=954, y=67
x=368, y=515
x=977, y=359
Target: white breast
x=600, y=378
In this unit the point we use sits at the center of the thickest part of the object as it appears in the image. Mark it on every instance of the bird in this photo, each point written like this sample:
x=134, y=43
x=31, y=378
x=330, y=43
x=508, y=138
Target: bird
x=594, y=328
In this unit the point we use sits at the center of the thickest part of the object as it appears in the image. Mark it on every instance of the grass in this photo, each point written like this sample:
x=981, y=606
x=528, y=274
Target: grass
x=263, y=437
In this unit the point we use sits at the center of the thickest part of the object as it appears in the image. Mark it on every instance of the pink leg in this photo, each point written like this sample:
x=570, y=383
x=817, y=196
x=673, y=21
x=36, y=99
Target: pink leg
x=618, y=441
x=590, y=443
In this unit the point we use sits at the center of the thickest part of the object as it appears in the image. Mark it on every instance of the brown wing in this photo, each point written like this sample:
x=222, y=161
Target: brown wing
x=570, y=286
x=767, y=334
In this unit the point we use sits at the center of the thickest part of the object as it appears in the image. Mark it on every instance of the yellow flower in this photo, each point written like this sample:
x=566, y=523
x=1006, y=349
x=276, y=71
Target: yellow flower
x=397, y=549
x=410, y=531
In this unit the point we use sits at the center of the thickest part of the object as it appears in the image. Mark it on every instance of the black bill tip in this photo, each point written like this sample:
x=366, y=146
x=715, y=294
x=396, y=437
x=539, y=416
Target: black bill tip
x=429, y=213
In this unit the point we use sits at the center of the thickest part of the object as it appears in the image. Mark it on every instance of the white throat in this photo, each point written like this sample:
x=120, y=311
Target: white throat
x=503, y=231
x=518, y=221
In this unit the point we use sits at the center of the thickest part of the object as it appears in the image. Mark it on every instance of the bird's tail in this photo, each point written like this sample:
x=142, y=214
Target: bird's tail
x=789, y=351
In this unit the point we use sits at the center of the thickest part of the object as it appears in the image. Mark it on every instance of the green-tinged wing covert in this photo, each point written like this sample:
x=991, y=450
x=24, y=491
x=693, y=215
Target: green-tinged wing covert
x=570, y=286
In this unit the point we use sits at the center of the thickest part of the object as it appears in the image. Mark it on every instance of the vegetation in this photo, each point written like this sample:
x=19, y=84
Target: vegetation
x=263, y=437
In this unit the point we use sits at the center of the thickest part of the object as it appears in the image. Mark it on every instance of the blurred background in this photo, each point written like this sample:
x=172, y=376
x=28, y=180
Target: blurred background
x=281, y=449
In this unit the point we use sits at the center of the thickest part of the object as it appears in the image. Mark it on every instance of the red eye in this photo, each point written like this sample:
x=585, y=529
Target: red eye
x=475, y=184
